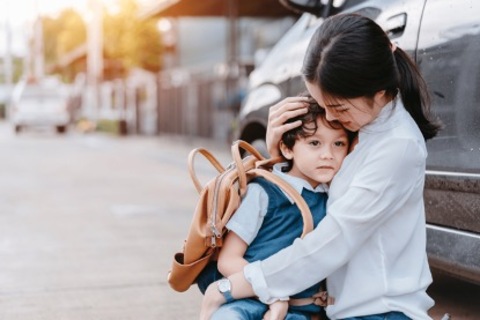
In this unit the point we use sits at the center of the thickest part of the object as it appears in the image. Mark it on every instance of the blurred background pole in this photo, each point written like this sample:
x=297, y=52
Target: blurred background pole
x=38, y=58
x=7, y=67
x=8, y=62
x=94, y=58
x=232, y=54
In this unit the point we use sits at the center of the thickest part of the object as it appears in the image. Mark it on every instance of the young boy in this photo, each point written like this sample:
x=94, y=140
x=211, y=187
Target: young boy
x=267, y=219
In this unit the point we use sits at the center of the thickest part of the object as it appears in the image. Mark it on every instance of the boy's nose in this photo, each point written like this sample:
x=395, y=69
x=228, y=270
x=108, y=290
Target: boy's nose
x=327, y=153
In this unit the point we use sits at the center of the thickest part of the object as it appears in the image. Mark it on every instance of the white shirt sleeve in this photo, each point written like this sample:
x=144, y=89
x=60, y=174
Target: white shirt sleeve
x=248, y=218
x=377, y=190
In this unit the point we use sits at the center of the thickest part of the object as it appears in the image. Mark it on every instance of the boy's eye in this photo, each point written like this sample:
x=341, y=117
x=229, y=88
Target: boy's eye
x=314, y=143
x=340, y=143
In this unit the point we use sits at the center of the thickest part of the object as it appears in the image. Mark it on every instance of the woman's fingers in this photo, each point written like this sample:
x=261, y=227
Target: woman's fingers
x=278, y=114
x=290, y=103
x=281, y=129
x=286, y=109
x=321, y=298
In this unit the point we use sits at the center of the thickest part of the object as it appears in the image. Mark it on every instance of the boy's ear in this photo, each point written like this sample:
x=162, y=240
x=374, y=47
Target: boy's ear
x=286, y=152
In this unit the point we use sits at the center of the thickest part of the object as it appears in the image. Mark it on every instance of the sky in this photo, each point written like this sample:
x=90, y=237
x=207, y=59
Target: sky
x=24, y=10
x=21, y=13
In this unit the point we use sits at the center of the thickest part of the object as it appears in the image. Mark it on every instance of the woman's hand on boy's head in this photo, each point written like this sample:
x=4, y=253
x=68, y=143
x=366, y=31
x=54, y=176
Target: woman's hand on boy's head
x=278, y=115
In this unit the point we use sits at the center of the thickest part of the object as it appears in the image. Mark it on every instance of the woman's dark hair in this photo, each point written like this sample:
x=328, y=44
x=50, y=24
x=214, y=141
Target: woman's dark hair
x=309, y=127
x=350, y=56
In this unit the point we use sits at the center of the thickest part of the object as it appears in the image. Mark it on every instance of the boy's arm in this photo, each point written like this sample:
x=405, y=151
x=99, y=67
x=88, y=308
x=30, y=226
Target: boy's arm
x=231, y=259
x=243, y=226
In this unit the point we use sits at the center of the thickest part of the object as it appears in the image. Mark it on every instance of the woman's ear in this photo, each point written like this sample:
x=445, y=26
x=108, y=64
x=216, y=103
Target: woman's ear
x=285, y=151
x=380, y=97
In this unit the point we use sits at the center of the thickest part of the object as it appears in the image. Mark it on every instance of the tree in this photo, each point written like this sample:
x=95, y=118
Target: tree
x=62, y=34
x=129, y=41
x=134, y=41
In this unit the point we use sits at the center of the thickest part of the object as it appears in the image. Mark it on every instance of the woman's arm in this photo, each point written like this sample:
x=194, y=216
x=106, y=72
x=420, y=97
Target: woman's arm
x=277, y=116
x=392, y=173
x=378, y=190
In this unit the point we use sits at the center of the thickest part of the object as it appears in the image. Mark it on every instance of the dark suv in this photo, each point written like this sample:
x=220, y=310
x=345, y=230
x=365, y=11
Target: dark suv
x=443, y=36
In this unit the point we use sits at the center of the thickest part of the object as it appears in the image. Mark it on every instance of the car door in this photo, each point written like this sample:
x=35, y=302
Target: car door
x=448, y=55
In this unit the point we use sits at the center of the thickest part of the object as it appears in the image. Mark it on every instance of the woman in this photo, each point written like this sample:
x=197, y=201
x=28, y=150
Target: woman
x=371, y=245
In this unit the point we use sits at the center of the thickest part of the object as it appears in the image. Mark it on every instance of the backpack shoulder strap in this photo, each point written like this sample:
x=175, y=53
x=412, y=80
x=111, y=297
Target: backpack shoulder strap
x=300, y=202
x=236, y=148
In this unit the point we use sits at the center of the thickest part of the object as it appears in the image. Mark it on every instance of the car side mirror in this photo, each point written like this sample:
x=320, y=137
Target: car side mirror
x=319, y=8
x=315, y=7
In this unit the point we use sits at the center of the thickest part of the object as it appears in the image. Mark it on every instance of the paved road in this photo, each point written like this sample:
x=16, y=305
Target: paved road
x=88, y=226
x=89, y=223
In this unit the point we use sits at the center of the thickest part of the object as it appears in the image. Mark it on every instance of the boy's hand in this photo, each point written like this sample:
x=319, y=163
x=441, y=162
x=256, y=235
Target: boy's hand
x=322, y=299
x=276, y=311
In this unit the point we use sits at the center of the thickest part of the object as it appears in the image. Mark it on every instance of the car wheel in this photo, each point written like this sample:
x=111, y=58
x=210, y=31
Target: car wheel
x=261, y=147
x=18, y=128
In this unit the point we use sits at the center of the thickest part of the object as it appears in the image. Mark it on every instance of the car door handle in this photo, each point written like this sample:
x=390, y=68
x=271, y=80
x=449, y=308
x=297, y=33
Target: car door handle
x=395, y=25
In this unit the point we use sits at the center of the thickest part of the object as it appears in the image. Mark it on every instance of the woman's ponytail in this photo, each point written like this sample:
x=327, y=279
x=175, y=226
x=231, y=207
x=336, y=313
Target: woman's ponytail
x=350, y=56
x=414, y=93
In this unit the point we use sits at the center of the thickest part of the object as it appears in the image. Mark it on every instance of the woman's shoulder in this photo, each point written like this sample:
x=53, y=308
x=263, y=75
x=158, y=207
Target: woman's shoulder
x=401, y=150
x=403, y=132
x=410, y=133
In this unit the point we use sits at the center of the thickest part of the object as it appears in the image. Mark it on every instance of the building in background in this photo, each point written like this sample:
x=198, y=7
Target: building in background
x=212, y=46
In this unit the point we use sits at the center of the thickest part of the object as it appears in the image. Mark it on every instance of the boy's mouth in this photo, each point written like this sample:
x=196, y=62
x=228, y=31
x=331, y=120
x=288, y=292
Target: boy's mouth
x=325, y=167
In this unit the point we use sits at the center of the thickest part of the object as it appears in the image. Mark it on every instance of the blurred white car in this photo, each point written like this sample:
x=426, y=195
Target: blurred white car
x=40, y=105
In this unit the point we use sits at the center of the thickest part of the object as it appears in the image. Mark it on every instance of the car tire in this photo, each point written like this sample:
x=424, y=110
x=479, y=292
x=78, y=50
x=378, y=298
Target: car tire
x=18, y=128
x=261, y=146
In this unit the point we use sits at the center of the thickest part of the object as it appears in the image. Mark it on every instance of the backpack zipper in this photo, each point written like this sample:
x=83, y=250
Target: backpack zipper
x=216, y=233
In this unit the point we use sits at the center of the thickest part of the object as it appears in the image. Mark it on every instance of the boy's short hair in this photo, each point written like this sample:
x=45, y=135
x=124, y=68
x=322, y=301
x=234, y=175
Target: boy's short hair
x=309, y=125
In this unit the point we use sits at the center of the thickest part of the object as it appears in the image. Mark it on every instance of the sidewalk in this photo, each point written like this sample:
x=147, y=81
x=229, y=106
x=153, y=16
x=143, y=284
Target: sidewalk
x=89, y=226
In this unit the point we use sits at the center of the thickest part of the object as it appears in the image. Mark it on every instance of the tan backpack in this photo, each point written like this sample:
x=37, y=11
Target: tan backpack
x=219, y=199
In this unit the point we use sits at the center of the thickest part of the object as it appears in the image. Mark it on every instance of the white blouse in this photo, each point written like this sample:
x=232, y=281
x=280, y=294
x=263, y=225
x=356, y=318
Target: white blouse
x=371, y=246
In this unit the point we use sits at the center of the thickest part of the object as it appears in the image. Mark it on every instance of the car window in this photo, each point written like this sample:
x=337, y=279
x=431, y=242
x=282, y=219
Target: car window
x=448, y=50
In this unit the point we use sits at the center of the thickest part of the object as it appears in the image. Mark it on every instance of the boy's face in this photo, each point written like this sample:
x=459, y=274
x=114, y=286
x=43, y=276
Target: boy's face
x=318, y=157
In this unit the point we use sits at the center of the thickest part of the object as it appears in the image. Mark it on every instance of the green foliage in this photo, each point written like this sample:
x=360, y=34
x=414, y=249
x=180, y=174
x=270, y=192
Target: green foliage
x=134, y=41
x=62, y=34
x=129, y=41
